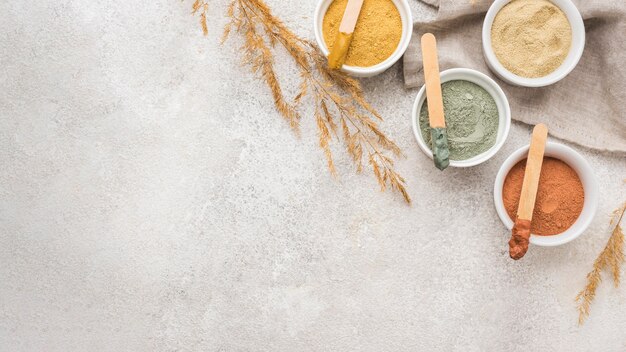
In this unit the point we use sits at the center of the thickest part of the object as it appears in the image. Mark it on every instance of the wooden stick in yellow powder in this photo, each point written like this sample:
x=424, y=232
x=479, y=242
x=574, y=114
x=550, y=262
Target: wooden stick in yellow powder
x=376, y=36
x=338, y=54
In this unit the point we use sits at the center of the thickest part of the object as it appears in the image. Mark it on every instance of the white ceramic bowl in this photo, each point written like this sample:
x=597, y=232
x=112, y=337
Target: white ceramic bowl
x=504, y=113
x=576, y=50
x=587, y=177
x=407, y=31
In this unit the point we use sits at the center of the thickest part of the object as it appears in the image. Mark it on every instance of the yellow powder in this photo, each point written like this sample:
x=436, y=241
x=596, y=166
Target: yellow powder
x=531, y=38
x=377, y=33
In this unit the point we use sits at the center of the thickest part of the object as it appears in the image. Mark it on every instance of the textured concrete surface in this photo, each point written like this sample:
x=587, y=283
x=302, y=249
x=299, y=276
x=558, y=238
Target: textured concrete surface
x=151, y=199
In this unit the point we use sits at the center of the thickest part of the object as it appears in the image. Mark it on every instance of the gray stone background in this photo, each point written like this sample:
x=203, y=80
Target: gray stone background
x=151, y=199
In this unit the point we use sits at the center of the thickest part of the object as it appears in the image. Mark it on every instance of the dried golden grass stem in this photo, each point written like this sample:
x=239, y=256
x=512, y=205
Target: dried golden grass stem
x=338, y=99
x=611, y=257
x=261, y=59
x=203, y=7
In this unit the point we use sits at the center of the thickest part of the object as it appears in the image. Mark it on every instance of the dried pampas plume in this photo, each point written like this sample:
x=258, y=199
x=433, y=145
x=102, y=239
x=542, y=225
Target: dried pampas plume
x=611, y=257
x=341, y=110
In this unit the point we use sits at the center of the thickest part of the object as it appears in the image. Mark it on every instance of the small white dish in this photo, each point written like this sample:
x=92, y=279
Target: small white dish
x=504, y=113
x=576, y=50
x=407, y=31
x=587, y=177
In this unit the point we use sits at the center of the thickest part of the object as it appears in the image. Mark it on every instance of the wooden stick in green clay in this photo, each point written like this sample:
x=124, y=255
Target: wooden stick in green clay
x=438, y=136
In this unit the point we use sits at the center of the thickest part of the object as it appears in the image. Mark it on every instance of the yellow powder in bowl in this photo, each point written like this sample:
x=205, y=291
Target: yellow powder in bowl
x=377, y=33
x=531, y=38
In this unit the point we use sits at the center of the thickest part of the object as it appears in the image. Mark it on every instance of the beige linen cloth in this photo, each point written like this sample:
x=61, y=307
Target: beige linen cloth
x=588, y=107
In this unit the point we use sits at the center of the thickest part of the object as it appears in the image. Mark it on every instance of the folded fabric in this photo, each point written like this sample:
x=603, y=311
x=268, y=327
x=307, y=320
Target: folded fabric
x=588, y=107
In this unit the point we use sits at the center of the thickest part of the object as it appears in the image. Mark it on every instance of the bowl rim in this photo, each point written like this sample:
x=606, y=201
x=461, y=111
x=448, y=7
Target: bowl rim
x=407, y=31
x=500, y=96
x=577, y=48
x=585, y=173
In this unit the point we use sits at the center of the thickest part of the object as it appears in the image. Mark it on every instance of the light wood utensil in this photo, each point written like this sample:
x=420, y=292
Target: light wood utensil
x=436, y=118
x=518, y=245
x=337, y=55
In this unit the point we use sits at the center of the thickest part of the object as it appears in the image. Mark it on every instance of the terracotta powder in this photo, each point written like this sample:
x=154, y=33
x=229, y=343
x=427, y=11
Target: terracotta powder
x=560, y=196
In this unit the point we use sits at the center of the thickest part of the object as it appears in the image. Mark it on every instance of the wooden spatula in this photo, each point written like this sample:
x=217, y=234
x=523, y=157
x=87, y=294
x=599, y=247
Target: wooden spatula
x=438, y=136
x=518, y=245
x=337, y=55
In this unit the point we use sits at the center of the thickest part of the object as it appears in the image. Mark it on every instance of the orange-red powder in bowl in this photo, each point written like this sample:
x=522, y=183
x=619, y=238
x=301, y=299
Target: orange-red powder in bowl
x=560, y=196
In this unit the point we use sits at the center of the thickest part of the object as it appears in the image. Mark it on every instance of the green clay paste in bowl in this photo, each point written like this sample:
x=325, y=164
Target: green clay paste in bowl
x=471, y=119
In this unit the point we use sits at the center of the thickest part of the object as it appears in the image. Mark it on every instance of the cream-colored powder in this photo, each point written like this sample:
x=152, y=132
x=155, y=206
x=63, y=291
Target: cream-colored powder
x=531, y=38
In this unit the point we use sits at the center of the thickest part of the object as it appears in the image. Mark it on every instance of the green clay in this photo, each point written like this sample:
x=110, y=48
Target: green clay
x=441, y=154
x=471, y=119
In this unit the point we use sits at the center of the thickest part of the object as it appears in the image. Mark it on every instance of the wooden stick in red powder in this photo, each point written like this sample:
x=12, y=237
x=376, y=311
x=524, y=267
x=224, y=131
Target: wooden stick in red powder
x=518, y=245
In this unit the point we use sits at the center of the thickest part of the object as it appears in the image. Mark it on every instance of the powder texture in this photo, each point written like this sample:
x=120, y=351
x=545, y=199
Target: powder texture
x=376, y=36
x=531, y=38
x=518, y=244
x=560, y=196
x=471, y=119
x=441, y=153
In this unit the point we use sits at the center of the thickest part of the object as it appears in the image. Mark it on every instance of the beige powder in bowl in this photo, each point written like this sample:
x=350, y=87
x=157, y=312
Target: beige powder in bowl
x=531, y=38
